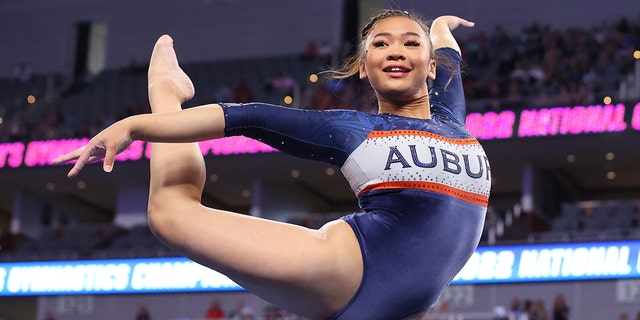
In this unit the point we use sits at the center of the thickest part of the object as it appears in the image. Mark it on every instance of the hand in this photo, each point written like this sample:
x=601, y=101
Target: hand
x=105, y=144
x=453, y=22
x=441, y=28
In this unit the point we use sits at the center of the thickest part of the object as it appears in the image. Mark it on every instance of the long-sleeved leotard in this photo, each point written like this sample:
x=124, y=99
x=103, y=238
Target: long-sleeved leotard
x=423, y=186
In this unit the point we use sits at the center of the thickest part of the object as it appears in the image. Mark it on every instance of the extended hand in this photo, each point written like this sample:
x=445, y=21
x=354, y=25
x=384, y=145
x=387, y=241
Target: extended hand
x=106, y=144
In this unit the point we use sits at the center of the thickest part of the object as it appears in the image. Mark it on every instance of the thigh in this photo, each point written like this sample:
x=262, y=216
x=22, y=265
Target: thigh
x=307, y=271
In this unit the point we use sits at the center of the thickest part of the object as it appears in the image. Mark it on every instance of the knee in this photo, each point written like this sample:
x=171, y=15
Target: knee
x=157, y=216
x=163, y=212
x=167, y=207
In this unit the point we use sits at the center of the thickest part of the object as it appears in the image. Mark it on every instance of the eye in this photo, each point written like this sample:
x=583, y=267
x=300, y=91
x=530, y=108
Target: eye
x=379, y=43
x=412, y=43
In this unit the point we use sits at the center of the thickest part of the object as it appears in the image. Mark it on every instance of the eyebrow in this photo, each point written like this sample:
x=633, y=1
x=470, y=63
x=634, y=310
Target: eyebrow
x=387, y=34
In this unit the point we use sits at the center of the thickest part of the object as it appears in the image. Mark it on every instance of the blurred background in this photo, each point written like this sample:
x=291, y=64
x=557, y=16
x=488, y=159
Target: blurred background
x=553, y=91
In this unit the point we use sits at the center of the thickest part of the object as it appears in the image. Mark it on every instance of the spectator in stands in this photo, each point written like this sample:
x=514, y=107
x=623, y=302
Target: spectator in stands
x=310, y=51
x=517, y=310
x=500, y=313
x=444, y=307
x=271, y=313
x=322, y=98
x=242, y=92
x=215, y=311
x=239, y=311
x=319, y=273
x=560, y=309
x=143, y=314
x=49, y=316
x=527, y=306
x=248, y=316
x=538, y=312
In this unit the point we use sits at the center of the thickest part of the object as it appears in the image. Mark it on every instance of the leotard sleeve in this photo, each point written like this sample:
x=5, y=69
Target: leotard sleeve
x=322, y=135
x=446, y=90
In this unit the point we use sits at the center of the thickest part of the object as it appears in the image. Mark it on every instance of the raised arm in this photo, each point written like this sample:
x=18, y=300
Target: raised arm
x=441, y=36
x=447, y=87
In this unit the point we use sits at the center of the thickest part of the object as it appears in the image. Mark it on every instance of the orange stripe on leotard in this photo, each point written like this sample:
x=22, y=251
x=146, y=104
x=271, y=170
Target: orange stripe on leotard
x=393, y=133
x=471, y=197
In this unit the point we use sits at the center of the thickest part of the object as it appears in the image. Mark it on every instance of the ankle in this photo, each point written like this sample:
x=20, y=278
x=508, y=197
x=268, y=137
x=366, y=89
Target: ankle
x=164, y=93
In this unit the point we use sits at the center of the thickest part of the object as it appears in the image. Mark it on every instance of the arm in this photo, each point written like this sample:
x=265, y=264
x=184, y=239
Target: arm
x=447, y=89
x=441, y=36
x=313, y=135
x=328, y=136
x=188, y=125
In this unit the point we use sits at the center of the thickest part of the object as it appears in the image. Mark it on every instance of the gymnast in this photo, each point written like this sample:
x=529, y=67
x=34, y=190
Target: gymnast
x=422, y=180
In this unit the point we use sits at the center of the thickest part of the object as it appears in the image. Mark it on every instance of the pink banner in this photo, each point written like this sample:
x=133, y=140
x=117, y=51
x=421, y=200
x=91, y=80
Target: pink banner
x=41, y=153
x=506, y=124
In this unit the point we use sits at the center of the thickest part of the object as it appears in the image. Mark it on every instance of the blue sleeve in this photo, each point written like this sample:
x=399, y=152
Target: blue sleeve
x=446, y=90
x=328, y=136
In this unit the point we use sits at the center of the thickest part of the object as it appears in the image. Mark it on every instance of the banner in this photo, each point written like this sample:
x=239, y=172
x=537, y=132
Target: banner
x=552, y=262
x=499, y=264
x=507, y=124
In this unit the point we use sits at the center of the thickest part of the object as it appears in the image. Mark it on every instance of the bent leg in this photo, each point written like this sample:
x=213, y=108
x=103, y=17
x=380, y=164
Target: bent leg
x=311, y=272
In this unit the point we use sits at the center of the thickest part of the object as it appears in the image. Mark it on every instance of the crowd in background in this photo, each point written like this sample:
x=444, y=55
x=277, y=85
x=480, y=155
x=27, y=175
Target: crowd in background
x=240, y=311
x=535, y=309
x=534, y=67
x=519, y=309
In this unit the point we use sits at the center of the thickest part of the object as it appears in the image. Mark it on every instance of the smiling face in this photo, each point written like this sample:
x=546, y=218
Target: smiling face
x=398, y=60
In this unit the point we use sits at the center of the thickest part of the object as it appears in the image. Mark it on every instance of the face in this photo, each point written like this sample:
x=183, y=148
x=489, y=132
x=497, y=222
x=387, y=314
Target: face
x=398, y=61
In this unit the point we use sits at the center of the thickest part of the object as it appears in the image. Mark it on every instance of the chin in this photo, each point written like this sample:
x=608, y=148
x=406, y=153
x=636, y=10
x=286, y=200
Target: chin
x=398, y=95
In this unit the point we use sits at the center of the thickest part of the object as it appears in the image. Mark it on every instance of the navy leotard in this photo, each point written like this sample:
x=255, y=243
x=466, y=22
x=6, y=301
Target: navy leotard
x=423, y=186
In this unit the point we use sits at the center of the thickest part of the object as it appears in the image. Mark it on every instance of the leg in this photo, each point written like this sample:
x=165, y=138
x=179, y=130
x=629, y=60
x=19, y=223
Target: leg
x=310, y=272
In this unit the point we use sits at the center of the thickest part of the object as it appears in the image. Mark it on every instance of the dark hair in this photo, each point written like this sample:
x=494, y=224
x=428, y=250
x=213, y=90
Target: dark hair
x=352, y=63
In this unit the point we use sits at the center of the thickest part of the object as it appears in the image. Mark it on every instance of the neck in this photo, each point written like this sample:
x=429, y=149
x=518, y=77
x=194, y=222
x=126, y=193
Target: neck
x=419, y=108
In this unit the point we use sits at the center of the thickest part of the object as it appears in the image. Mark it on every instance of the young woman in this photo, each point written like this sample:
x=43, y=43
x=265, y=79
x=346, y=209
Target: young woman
x=422, y=180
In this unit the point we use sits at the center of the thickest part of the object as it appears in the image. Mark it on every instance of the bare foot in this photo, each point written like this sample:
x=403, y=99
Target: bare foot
x=165, y=73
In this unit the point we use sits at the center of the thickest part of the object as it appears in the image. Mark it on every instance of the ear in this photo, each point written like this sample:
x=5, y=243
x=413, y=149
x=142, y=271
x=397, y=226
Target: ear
x=362, y=70
x=432, y=69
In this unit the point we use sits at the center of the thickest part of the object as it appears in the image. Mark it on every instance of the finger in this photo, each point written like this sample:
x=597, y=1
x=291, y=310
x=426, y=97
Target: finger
x=73, y=155
x=467, y=23
x=82, y=160
x=62, y=159
x=109, y=158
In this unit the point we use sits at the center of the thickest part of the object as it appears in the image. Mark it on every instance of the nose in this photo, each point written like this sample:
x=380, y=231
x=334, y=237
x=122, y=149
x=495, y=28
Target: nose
x=395, y=55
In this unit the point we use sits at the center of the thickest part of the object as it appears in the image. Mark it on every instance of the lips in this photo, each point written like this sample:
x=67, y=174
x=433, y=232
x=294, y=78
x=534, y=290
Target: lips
x=396, y=69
